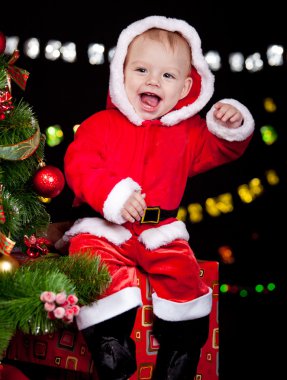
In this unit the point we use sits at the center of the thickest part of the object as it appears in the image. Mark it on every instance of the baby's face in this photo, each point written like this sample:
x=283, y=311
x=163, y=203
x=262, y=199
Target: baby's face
x=156, y=76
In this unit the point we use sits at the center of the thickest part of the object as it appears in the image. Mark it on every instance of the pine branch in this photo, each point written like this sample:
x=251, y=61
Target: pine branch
x=24, y=215
x=89, y=275
x=20, y=304
x=18, y=173
x=7, y=330
x=20, y=125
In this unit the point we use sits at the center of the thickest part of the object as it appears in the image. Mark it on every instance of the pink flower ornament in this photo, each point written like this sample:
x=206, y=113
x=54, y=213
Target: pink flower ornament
x=49, y=306
x=59, y=312
x=61, y=298
x=60, y=306
x=72, y=299
x=48, y=297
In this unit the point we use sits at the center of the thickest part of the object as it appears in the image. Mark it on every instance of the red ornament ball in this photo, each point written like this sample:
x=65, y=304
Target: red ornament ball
x=49, y=181
x=2, y=42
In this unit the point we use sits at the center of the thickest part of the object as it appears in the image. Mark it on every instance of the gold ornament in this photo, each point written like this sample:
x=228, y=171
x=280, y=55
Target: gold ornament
x=8, y=263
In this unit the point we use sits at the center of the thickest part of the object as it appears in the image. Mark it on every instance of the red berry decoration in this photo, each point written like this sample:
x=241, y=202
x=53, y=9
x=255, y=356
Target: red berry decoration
x=2, y=42
x=49, y=181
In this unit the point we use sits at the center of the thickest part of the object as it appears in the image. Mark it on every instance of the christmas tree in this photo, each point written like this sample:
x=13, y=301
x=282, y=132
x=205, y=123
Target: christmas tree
x=48, y=290
x=24, y=176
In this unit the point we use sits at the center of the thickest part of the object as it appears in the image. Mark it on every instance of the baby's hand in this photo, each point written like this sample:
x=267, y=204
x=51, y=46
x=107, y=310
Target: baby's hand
x=229, y=115
x=134, y=207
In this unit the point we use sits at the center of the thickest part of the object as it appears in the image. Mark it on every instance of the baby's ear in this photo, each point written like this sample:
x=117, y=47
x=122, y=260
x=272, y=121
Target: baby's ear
x=186, y=87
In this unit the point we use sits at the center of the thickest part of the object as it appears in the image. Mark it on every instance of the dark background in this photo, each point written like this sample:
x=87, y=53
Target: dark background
x=252, y=329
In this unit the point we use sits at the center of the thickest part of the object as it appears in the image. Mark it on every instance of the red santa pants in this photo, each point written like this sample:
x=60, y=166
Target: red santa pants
x=172, y=270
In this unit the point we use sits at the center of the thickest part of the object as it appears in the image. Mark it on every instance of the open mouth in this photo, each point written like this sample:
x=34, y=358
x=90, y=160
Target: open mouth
x=150, y=100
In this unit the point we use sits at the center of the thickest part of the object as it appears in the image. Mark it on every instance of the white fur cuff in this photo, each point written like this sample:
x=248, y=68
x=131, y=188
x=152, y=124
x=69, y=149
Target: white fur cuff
x=177, y=311
x=231, y=134
x=116, y=199
x=98, y=227
x=156, y=237
x=109, y=307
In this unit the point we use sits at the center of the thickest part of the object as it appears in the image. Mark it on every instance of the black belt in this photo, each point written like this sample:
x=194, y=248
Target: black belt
x=152, y=215
x=156, y=214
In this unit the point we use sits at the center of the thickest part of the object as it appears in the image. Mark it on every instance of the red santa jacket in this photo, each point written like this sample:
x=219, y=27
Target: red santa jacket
x=114, y=152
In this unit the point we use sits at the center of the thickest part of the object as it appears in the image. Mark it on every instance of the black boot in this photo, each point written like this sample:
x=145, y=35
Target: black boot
x=112, y=349
x=180, y=346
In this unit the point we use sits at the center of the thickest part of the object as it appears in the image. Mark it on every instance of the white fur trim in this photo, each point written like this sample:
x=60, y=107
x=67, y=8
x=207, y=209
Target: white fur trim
x=98, y=227
x=109, y=307
x=116, y=85
x=182, y=311
x=159, y=236
x=116, y=199
x=231, y=134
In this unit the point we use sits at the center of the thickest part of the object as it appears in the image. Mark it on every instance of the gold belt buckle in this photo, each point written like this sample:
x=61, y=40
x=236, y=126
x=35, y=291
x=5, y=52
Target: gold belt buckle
x=151, y=215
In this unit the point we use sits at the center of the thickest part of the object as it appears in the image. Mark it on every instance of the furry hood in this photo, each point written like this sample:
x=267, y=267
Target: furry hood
x=203, y=80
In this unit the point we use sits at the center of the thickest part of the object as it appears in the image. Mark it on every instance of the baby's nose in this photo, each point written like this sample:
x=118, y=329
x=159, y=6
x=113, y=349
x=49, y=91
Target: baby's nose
x=152, y=81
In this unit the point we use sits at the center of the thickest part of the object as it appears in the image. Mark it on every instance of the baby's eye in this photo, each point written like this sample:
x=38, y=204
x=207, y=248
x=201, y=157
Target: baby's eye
x=168, y=75
x=141, y=69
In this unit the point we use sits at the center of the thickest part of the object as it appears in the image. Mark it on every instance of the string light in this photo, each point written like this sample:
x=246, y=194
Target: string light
x=236, y=62
x=268, y=134
x=54, y=135
x=271, y=286
x=275, y=55
x=96, y=54
x=272, y=177
x=226, y=254
x=52, y=50
x=195, y=211
x=245, y=291
x=223, y=203
x=254, y=62
x=259, y=288
x=213, y=59
x=55, y=49
x=32, y=48
x=68, y=52
x=269, y=105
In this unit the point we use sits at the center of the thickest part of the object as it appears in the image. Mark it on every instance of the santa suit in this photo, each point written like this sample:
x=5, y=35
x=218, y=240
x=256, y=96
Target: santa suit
x=115, y=153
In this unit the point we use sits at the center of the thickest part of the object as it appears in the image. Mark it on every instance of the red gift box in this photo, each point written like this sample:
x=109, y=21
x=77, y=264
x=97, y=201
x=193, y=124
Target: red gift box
x=66, y=349
x=147, y=345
